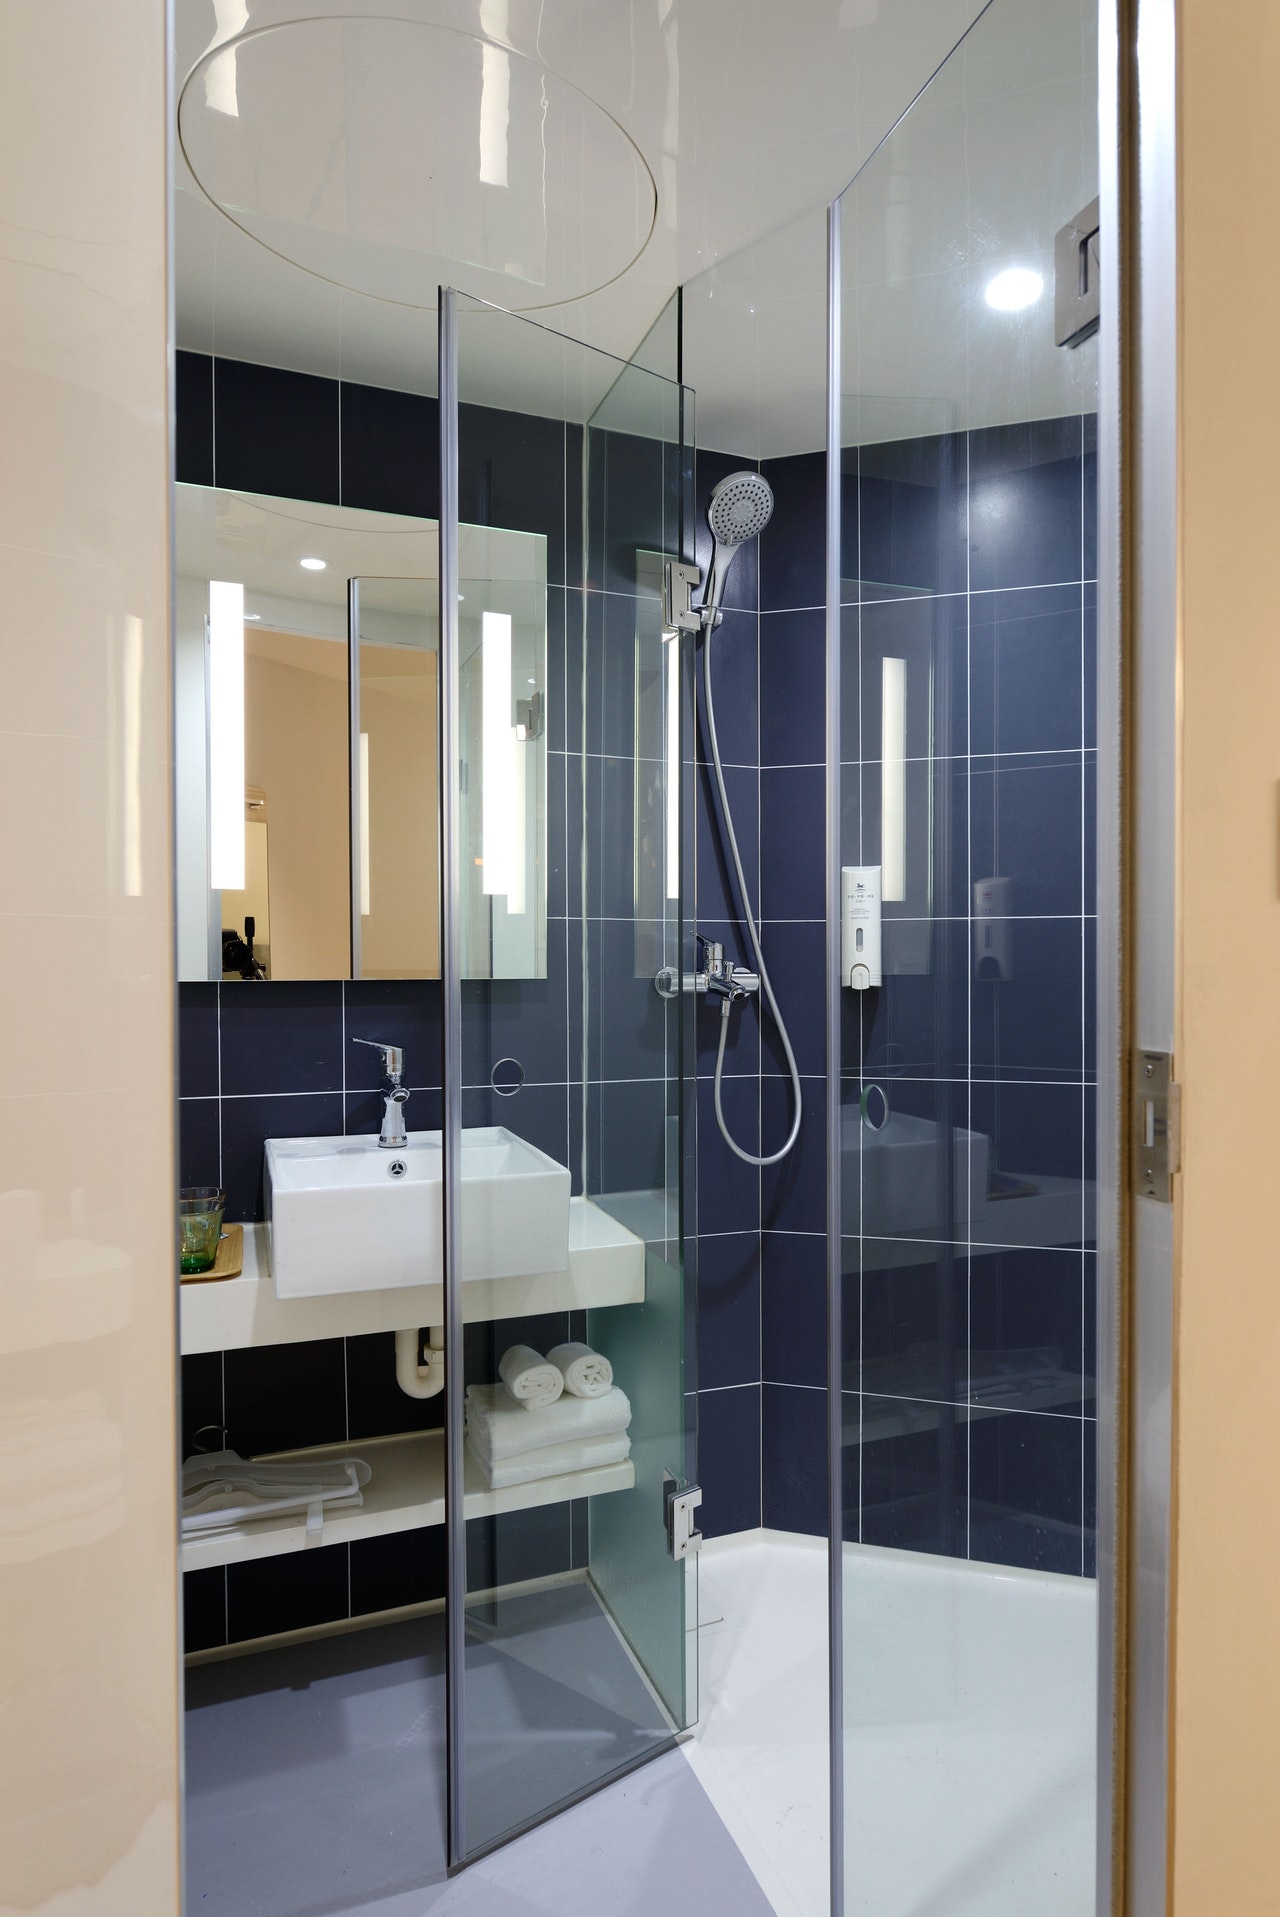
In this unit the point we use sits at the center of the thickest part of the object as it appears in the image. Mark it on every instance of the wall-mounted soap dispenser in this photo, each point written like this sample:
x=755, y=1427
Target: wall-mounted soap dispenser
x=992, y=930
x=860, y=962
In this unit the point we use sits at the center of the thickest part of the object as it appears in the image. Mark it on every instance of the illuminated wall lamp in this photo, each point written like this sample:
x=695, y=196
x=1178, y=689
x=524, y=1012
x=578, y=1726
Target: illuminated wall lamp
x=502, y=818
x=365, y=907
x=893, y=780
x=226, y=736
x=671, y=770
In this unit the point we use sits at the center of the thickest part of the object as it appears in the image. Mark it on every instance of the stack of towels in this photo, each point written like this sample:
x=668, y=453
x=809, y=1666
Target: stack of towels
x=548, y=1415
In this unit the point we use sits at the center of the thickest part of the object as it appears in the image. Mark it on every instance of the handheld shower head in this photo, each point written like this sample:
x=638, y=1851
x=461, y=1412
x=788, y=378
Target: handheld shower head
x=740, y=508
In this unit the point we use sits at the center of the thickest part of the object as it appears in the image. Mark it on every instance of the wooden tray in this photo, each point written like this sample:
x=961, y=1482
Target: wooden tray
x=229, y=1262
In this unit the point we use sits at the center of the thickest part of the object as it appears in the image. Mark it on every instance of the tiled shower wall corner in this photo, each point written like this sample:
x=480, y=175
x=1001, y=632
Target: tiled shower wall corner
x=761, y=1234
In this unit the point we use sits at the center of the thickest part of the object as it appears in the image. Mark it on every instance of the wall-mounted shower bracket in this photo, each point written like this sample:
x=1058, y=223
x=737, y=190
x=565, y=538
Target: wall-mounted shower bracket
x=683, y=1536
x=679, y=584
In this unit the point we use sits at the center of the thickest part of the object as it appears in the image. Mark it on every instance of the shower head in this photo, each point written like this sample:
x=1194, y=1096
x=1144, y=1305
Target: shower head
x=740, y=508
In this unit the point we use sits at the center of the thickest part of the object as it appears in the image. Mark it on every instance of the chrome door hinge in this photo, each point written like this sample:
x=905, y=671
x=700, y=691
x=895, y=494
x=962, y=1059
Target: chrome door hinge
x=1156, y=1143
x=683, y=1537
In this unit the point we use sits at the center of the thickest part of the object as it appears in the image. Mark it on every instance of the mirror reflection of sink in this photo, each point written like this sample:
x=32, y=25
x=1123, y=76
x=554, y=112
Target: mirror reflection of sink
x=346, y=1214
x=895, y=1172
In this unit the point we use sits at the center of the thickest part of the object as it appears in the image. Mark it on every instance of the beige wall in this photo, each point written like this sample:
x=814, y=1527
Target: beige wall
x=88, y=1597
x=296, y=750
x=1226, y=1724
x=401, y=934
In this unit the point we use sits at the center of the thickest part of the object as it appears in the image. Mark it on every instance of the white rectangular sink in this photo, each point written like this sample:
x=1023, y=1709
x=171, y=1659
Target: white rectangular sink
x=347, y=1214
x=893, y=1174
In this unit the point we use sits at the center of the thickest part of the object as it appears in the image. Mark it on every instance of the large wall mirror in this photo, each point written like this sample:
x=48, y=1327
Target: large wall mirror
x=307, y=700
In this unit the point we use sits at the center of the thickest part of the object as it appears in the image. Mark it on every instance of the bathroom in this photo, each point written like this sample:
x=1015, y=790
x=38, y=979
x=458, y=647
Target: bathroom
x=645, y=779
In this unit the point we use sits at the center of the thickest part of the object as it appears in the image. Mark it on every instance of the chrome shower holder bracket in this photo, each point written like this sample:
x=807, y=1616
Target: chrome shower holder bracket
x=679, y=614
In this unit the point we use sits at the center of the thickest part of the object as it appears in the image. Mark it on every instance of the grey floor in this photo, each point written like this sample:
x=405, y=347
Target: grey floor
x=315, y=1780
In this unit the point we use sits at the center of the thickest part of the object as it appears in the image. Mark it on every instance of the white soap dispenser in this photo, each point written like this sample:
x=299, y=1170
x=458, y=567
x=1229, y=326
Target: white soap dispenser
x=860, y=965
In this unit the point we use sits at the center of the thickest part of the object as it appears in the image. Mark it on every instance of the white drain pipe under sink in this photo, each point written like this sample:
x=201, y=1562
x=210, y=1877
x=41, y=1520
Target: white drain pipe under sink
x=420, y=1380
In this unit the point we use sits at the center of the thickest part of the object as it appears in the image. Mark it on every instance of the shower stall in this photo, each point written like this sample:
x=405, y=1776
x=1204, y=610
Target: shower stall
x=790, y=962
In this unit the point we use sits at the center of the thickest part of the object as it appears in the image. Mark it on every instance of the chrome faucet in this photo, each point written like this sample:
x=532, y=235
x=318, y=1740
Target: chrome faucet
x=393, y=1134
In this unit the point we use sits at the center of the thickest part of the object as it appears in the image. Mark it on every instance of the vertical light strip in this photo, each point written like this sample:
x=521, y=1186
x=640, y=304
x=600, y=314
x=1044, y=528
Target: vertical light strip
x=364, y=825
x=355, y=788
x=131, y=808
x=671, y=770
x=226, y=736
x=497, y=816
x=519, y=761
x=893, y=780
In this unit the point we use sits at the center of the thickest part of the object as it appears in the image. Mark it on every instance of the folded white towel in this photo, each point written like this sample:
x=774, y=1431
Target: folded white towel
x=221, y=1489
x=551, y=1460
x=528, y=1377
x=505, y=1429
x=586, y=1373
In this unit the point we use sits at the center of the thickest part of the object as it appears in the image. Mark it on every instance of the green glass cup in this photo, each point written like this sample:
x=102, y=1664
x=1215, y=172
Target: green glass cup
x=200, y=1209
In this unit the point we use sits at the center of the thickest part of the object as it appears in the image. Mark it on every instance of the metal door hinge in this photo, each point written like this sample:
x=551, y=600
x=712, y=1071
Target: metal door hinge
x=683, y=1537
x=1156, y=1145
x=1076, y=266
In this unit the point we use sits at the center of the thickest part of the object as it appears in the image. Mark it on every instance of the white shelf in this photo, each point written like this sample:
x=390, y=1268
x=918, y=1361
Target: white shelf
x=897, y=1417
x=606, y=1267
x=405, y=1492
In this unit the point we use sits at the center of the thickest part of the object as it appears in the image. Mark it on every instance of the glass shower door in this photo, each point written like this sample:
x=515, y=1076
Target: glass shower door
x=968, y=383
x=562, y=849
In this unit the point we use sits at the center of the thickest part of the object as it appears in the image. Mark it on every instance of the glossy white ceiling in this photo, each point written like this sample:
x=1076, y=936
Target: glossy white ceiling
x=393, y=156
x=346, y=156
x=998, y=154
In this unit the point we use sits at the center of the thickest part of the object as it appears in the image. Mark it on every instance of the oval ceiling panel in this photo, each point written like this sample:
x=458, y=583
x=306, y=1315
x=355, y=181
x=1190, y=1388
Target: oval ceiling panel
x=393, y=157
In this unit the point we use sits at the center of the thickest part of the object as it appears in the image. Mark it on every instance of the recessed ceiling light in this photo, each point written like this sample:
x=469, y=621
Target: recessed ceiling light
x=1013, y=289
x=313, y=565
x=250, y=617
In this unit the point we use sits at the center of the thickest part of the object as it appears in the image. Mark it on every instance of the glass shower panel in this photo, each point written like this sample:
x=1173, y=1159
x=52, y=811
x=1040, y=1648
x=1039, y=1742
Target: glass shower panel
x=573, y=1648
x=967, y=1070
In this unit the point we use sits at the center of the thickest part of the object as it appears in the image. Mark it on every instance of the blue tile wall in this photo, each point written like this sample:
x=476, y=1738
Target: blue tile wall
x=761, y=1279
x=968, y=1365
x=994, y=531
x=968, y=1368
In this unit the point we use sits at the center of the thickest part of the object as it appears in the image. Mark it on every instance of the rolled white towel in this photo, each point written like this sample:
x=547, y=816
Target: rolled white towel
x=502, y=1429
x=586, y=1373
x=530, y=1379
x=550, y=1460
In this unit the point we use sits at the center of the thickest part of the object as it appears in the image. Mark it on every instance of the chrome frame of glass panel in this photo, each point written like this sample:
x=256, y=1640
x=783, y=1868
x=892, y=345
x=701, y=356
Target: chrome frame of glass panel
x=1110, y=931
x=1146, y=519
x=835, y=1346
x=451, y=1136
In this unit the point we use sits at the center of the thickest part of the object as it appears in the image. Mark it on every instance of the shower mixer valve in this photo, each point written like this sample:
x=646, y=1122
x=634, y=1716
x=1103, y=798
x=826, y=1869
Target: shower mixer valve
x=722, y=979
x=716, y=976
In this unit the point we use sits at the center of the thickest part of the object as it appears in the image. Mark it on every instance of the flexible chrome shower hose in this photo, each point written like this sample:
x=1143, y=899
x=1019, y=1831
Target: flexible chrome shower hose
x=749, y=918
